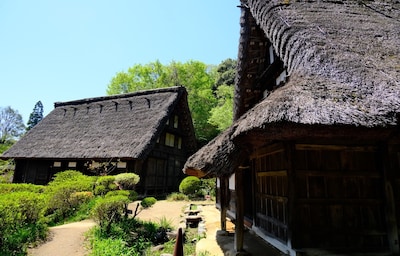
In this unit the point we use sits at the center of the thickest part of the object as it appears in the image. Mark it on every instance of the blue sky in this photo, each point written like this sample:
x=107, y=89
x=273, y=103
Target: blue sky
x=66, y=50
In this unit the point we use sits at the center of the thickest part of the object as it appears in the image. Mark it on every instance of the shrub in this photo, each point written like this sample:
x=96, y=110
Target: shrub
x=69, y=175
x=148, y=202
x=62, y=203
x=100, y=190
x=190, y=186
x=209, y=185
x=127, y=180
x=111, y=247
x=6, y=188
x=78, y=198
x=126, y=237
x=177, y=197
x=166, y=224
x=117, y=193
x=109, y=210
x=105, y=184
x=131, y=194
x=83, y=211
x=22, y=221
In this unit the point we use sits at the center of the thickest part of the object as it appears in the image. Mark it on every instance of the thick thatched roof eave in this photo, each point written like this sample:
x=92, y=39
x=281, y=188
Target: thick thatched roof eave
x=114, y=127
x=219, y=157
x=339, y=55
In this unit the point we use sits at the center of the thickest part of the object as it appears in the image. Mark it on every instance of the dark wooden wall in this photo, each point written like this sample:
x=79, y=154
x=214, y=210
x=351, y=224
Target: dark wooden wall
x=321, y=196
x=339, y=197
x=271, y=192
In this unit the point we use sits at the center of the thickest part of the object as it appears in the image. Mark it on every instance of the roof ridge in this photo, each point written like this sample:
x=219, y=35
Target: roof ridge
x=120, y=96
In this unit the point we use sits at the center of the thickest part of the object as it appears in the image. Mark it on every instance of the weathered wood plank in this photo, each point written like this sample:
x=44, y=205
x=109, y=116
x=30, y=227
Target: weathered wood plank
x=334, y=147
x=272, y=173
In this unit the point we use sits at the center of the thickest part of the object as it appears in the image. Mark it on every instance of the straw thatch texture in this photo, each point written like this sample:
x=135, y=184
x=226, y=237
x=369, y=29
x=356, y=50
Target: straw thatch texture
x=121, y=126
x=342, y=60
x=343, y=66
x=218, y=157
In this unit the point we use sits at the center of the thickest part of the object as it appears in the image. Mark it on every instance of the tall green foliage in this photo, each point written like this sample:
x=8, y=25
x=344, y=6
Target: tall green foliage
x=62, y=190
x=36, y=116
x=222, y=114
x=22, y=220
x=197, y=77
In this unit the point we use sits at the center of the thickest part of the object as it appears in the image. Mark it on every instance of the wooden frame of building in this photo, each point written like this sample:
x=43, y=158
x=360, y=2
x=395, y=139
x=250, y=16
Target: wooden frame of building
x=146, y=132
x=314, y=148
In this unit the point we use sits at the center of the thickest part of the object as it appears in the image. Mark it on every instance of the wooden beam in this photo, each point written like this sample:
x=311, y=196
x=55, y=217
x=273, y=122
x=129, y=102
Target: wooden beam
x=224, y=190
x=292, y=195
x=239, y=225
x=335, y=147
x=390, y=207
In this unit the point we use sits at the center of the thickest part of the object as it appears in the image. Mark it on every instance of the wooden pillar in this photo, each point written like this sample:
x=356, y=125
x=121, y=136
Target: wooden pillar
x=390, y=208
x=224, y=201
x=239, y=225
x=178, y=249
x=292, y=195
x=138, y=169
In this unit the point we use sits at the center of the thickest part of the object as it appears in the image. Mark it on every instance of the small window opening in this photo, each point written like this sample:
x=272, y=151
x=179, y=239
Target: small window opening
x=169, y=140
x=176, y=119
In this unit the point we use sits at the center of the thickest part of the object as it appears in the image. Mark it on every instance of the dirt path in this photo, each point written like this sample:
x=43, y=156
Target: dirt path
x=172, y=211
x=66, y=240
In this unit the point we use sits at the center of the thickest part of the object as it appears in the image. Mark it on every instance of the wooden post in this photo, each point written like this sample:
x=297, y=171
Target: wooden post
x=178, y=249
x=291, y=211
x=239, y=225
x=390, y=208
x=224, y=190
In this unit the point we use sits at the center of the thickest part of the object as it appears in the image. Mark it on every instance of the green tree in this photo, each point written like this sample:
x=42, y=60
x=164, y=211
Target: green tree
x=221, y=115
x=226, y=73
x=11, y=125
x=197, y=77
x=36, y=116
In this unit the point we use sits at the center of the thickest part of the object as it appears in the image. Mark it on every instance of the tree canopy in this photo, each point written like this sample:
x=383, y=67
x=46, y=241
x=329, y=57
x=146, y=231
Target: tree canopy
x=36, y=116
x=205, y=97
x=11, y=125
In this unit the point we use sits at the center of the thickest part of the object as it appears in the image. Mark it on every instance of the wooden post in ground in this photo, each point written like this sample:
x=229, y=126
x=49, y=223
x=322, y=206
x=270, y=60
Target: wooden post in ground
x=178, y=249
x=224, y=190
x=239, y=224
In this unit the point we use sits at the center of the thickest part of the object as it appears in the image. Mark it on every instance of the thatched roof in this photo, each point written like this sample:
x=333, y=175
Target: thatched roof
x=342, y=60
x=123, y=126
x=218, y=157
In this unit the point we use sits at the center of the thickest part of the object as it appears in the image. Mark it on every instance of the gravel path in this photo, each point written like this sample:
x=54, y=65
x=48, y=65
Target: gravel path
x=66, y=240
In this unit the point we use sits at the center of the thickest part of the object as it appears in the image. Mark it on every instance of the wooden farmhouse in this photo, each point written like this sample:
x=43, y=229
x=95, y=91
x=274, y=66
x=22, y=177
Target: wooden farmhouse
x=312, y=160
x=147, y=132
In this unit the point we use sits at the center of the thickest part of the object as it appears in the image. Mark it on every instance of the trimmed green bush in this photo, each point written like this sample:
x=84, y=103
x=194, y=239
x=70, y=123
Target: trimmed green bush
x=62, y=197
x=127, y=181
x=148, y=202
x=69, y=175
x=109, y=210
x=131, y=194
x=78, y=198
x=22, y=221
x=117, y=193
x=190, y=186
x=104, y=184
x=6, y=188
